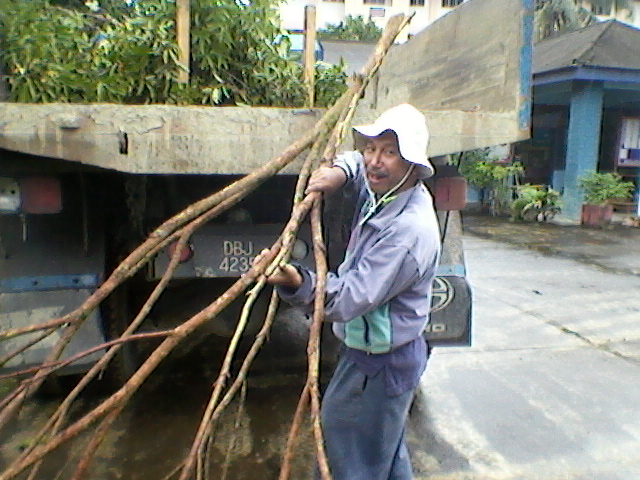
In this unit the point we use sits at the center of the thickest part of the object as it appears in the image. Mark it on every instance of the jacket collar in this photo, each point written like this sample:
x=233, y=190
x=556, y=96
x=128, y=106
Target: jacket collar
x=393, y=208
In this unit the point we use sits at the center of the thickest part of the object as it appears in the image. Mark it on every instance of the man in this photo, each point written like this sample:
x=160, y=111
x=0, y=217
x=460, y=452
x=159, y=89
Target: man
x=379, y=299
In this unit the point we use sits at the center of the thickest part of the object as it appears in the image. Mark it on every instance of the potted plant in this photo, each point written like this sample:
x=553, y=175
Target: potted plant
x=599, y=189
x=538, y=203
x=490, y=177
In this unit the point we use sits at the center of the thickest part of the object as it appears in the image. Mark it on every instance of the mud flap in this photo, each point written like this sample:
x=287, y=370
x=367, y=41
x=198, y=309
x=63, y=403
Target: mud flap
x=23, y=309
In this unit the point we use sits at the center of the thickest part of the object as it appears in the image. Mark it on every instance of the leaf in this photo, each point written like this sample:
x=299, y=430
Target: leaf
x=68, y=56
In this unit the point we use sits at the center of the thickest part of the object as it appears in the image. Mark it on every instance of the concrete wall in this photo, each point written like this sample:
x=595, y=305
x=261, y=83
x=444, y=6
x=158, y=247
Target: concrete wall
x=155, y=138
x=473, y=85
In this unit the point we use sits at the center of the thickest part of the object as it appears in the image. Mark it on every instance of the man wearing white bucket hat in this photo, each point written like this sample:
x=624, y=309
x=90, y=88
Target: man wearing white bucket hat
x=380, y=297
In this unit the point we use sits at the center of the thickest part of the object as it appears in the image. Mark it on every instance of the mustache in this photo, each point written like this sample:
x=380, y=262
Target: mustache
x=377, y=172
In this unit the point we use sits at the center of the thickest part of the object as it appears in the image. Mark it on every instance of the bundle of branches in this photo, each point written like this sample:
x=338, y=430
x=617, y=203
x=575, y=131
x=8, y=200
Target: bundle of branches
x=321, y=142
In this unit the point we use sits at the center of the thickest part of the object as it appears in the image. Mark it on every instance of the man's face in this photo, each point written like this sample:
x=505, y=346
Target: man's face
x=384, y=165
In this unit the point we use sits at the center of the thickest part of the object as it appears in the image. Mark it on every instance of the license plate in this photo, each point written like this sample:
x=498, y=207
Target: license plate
x=236, y=258
x=223, y=251
x=230, y=257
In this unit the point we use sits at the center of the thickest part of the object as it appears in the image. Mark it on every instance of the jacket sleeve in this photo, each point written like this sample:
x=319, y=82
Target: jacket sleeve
x=381, y=274
x=351, y=163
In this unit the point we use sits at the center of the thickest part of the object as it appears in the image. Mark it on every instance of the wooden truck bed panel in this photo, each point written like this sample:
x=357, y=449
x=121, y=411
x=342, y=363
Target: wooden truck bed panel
x=469, y=72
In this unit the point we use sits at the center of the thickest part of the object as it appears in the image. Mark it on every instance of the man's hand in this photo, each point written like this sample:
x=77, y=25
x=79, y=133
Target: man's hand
x=284, y=275
x=326, y=180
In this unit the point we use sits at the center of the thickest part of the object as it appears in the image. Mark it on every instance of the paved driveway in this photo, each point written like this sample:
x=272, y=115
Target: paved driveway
x=550, y=388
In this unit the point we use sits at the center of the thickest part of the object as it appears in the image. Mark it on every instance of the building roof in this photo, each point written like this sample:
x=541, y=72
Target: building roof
x=609, y=44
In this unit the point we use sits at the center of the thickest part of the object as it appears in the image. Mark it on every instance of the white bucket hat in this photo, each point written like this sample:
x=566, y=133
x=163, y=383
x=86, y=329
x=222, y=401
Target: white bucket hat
x=413, y=135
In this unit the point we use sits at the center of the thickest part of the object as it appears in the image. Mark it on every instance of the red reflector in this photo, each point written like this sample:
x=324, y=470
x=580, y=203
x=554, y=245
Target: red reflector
x=450, y=193
x=40, y=195
x=185, y=254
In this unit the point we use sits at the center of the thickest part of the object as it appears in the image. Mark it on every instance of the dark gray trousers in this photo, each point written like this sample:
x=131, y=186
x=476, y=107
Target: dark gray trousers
x=363, y=428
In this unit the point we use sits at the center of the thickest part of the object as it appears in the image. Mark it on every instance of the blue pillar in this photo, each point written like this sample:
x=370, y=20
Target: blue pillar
x=637, y=197
x=583, y=142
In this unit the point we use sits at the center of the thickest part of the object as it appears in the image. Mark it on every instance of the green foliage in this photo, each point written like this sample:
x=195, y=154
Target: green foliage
x=331, y=82
x=483, y=171
x=116, y=8
x=353, y=28
x=535, y=203
x=75, y=55
x=561, y=16
x=491, y=176
x=56, y=54
x=600, y=187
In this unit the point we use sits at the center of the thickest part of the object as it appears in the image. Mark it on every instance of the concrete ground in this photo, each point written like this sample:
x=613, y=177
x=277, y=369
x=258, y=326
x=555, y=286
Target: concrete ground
x=548, y=390
x=614, y=248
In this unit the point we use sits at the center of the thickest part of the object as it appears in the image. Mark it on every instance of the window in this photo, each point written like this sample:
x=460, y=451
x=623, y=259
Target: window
x=376, y=2
x=450, y=3
x=629, y=150
x=416, y=3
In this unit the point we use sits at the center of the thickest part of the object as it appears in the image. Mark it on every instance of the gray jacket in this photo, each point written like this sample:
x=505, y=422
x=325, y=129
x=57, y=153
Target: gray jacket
x=381, y=295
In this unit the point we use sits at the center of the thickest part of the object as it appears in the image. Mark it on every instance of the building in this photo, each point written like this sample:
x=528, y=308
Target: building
x=586, y=110
x=332, y=12
x=586, y=95
x=630, y=16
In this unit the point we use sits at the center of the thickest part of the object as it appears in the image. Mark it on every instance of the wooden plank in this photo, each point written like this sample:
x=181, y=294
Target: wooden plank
x=469, y=73
x=183, y=32
x=310, y=53
x=155, y=138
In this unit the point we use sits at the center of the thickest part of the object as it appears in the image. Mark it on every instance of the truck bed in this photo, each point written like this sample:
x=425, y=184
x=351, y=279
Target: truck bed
x=472, y=84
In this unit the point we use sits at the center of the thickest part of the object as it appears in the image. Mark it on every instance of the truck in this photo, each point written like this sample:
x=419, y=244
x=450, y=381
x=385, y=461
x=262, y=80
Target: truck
x=82, y=184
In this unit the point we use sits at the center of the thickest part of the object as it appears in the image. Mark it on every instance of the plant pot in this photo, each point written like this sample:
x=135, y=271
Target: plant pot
x=596, y=215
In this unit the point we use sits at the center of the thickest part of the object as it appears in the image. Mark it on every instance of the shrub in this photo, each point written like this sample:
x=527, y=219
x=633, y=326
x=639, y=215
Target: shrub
x=353, y=28
x=601, y=187
x=56, y=54
x=535, y=203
